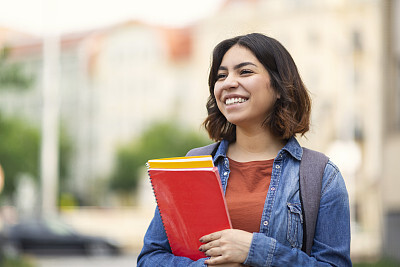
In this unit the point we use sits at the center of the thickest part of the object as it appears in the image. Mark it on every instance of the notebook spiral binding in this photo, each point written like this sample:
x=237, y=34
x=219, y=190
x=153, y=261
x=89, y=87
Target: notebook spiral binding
x=155, y=197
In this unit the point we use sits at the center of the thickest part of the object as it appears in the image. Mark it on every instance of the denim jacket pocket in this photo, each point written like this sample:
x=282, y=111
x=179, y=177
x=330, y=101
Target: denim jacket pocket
x=295, y=225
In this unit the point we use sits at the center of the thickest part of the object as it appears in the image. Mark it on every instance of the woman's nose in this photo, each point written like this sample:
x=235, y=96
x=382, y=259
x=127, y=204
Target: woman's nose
x=231, y=82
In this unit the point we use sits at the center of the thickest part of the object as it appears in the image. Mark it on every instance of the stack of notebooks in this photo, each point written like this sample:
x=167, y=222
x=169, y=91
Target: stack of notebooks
x=190, y=199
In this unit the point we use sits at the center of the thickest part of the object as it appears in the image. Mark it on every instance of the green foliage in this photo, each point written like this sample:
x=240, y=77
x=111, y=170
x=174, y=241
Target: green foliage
x=12, y=74
x=16, y=262
x=65, y=154
x=164, y=139
x=19, y=152
x=19, y=147
x=385, y=262
x=19, y=142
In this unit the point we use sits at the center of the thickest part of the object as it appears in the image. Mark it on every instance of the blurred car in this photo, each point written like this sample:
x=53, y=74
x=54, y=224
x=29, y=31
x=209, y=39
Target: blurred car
x=53, y=237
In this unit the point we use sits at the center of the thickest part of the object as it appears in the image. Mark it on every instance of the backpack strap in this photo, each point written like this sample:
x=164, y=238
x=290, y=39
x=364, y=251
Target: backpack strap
x=312, y=167
x=203, y=151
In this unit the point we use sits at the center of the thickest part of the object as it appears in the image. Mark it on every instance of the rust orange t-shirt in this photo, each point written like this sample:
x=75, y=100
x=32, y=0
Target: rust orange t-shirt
x=246, y=192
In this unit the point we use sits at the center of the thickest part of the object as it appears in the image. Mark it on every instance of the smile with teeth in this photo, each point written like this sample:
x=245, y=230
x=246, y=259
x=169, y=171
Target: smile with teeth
x=231, y=101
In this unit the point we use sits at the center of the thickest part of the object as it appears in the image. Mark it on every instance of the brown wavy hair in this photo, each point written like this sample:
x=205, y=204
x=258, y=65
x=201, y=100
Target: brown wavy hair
x=291, y=112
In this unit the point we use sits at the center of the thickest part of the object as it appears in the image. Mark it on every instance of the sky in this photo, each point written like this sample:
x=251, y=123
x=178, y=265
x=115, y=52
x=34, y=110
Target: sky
x=48, y=16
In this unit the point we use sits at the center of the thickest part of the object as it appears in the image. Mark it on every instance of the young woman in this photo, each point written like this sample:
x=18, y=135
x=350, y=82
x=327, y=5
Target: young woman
x=257, y=104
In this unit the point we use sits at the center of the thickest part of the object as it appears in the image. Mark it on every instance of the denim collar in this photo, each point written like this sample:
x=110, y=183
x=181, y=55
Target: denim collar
x=221, y=151
x=292, y=147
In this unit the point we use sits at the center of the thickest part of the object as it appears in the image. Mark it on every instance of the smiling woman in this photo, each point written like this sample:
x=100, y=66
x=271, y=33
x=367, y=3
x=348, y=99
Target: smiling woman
x=257, y=105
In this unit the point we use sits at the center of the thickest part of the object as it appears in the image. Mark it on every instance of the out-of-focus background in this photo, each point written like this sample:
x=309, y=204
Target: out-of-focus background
x=90, y=90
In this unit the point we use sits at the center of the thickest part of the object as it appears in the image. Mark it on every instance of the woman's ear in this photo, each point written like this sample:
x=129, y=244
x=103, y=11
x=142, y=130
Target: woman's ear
x=276, y=93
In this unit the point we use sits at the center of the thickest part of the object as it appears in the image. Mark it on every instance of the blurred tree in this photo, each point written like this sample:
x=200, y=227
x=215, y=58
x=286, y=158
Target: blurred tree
x=19, y=142
x=162, y=139
x=19, y=146
x=12, y=74
x=65, y=154
x=19, y=151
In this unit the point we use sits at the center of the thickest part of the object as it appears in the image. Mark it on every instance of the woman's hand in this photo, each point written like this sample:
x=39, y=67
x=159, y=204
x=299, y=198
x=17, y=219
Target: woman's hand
x=227, y=246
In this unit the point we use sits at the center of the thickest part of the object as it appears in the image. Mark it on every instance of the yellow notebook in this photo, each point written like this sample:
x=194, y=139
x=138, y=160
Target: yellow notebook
x=181, y=163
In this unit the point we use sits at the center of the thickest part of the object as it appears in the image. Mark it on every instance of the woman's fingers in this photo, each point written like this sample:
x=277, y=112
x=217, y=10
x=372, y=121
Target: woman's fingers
x=214, y=260
x=214, y=252
x=211, y=237
x=209, y=245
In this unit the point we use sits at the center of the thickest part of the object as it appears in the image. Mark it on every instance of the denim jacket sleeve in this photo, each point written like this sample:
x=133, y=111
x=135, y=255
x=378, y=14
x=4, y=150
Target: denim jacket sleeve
x=332, y=236
x=156, y=250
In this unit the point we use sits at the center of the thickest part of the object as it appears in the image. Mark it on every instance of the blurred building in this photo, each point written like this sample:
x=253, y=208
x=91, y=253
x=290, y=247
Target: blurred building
x=114, y=82
x=390, y=182
x=117, y=80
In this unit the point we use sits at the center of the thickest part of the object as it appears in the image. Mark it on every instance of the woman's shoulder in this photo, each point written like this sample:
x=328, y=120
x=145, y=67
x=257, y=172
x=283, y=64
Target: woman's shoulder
x=204, y=150
x=332, y=178
x=332, y=167
x=330, y=171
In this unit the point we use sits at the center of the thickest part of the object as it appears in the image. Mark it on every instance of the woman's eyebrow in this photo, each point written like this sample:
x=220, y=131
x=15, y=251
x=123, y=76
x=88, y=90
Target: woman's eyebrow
x=238, y=66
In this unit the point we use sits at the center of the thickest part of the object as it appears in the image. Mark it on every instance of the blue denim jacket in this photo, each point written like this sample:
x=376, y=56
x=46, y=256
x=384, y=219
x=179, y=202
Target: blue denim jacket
x=279, y=240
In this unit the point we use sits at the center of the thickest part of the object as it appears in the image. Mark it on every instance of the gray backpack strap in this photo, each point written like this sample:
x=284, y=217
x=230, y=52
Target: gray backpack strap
x=312, y=169
x=203, y=151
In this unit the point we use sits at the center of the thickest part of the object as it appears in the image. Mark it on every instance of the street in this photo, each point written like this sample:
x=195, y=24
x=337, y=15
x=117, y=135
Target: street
x=126, y=260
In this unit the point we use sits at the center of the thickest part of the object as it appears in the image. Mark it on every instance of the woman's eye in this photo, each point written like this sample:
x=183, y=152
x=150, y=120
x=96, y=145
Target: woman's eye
x=245, y=71
x=221, y=76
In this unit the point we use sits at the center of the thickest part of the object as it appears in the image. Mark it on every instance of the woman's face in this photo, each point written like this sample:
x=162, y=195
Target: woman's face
x=242, y=90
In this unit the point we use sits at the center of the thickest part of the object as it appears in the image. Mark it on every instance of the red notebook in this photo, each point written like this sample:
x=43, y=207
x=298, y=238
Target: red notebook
x=191, y=202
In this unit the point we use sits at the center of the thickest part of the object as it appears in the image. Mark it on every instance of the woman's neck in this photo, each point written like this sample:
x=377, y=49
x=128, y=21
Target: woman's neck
x=257, y=144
